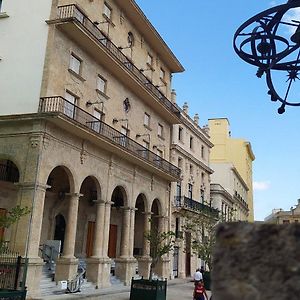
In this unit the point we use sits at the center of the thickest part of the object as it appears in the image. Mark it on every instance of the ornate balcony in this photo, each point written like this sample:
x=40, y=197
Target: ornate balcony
x=107, y=133
x=195, y=206
x=76, y=24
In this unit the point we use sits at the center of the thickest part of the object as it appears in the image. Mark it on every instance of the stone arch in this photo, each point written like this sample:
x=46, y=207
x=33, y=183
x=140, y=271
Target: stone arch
x=60, y=182
x=90, y=191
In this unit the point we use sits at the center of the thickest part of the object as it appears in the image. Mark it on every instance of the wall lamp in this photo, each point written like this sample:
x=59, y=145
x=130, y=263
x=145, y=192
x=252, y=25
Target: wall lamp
x=115, y=120
x=90, y=103
x=159, y=146
x=143, y=70
x=127, y=47
x=161, y=85
x=141, y=135
x=96, y=23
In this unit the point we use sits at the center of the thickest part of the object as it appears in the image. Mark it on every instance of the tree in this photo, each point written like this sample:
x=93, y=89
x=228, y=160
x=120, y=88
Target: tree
x=10, y=218
x=202, y=228
x=161, y=243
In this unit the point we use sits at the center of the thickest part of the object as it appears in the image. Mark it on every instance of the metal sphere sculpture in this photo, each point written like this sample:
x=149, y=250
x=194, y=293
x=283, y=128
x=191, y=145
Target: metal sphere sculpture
x=271, y=41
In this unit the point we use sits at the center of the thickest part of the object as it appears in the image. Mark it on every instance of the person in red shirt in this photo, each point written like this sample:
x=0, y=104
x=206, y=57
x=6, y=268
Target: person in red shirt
x=199, y=291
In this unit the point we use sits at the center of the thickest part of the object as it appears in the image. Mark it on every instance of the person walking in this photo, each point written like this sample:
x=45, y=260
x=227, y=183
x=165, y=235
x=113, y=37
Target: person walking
x=199, y=291
x=197, y=276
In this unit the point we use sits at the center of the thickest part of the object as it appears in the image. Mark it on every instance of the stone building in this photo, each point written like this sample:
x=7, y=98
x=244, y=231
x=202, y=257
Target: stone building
x=229, y=192
x=190, y=151
x=237, y=153
x=280, y=216
x=85, y=135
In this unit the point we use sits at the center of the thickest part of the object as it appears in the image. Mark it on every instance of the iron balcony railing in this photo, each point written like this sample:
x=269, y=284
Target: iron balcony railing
x=190, y=204
x=72, y=13
x=61, y=105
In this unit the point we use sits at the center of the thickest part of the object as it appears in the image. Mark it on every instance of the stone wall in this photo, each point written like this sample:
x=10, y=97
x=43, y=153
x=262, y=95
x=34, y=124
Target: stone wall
x=256, y=262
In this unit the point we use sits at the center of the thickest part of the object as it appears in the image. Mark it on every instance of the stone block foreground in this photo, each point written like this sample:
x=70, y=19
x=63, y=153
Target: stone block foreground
x=256, y=262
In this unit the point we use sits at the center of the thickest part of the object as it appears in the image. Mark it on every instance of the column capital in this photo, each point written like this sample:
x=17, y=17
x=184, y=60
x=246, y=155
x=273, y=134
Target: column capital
x=32, y=185
x=129, y=208
x=73, y=195
x=147, y=213
x=109, y=203
x=99, y=202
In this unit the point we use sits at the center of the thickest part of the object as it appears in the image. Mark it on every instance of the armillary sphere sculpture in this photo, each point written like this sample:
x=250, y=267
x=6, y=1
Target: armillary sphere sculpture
x=271, y=41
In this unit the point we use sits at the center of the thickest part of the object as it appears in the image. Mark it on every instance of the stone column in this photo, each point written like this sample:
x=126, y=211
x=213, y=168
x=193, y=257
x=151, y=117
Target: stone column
x=145, y=261
x=28, y=232
x=163, y=266
x=66, y=266
x=106, y=228
x=125, y=265
x=98, y=265
x=131, y=234
x=125, y=233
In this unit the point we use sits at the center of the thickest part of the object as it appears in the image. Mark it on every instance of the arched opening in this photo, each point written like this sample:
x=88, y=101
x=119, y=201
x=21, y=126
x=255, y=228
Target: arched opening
x=139, y=228
x=55, y=211
x=9, y=174
x=116, y=222
x=59, y=232
x=86, y=222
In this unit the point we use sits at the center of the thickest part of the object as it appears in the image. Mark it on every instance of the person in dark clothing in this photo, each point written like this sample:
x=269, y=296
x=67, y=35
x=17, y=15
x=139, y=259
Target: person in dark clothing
x=199, y=291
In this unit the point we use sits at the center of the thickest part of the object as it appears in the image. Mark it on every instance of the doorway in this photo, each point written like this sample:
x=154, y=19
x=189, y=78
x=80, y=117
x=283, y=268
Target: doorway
x=60, y=228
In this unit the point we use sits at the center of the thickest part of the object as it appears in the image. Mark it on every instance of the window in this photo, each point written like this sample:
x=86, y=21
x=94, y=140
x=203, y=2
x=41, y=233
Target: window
x=178, y=189
x=191, y=169
x=123, y=137
x=202, y=151
x=202, y=195
x=162, y=74
x=130, y=39
x=75, y=64
x=149, y=60
x=69, y=106
x=191, y=142
x=145, y=153
x=101, y=84
x=177, y=235
x=107, y=11
x=160, y=130
x=95, y=125
x=180, y=133
x=190, y=191
x=147, y=120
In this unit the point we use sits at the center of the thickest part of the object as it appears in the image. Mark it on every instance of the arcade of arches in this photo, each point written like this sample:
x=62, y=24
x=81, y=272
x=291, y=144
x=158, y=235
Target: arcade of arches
x=97, y=209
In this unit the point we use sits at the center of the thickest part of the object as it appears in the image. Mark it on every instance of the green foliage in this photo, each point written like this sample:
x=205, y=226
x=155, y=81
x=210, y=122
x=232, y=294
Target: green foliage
x=13, y=216
x=161, y=243
x=202, y=228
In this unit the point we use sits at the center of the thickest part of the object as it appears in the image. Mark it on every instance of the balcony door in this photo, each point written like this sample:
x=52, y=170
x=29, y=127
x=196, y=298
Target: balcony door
x=69, y=105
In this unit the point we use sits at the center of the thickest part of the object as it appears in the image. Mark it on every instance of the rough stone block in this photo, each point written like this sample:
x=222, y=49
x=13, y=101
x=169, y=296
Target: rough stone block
x=256, y=262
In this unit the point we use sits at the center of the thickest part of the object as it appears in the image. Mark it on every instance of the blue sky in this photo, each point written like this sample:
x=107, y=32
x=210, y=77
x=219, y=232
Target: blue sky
x=217, y=83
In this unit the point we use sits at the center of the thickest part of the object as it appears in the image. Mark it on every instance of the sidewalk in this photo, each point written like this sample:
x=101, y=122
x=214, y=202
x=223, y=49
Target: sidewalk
x=178, y=289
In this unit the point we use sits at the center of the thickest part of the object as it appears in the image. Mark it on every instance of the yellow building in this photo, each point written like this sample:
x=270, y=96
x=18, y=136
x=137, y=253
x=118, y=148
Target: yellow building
x=232, y=150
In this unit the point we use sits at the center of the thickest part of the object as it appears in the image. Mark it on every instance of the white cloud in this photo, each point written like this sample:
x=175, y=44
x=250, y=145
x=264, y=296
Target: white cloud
x=261, y=185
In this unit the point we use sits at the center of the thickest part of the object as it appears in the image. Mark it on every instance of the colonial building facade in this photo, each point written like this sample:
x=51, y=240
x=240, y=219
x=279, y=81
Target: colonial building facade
x=85, y=136
x=190, y=151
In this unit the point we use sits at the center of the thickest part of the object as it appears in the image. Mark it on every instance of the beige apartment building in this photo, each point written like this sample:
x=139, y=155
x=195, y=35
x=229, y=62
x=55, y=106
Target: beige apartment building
x=280, y=216
x=190, y=151
x=85, y=136
x=235, y=151
x=229, y=192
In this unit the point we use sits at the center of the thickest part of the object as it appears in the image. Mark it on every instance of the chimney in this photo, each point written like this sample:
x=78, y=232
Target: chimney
x=196, y=119
x=173, y=96
x=185, y=108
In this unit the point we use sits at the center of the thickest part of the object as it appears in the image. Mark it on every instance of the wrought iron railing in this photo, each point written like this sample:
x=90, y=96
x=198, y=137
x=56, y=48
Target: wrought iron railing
x=10, y=269
x=190, y=204
x=61, y=105
x=70, y=13
x=9, y=172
